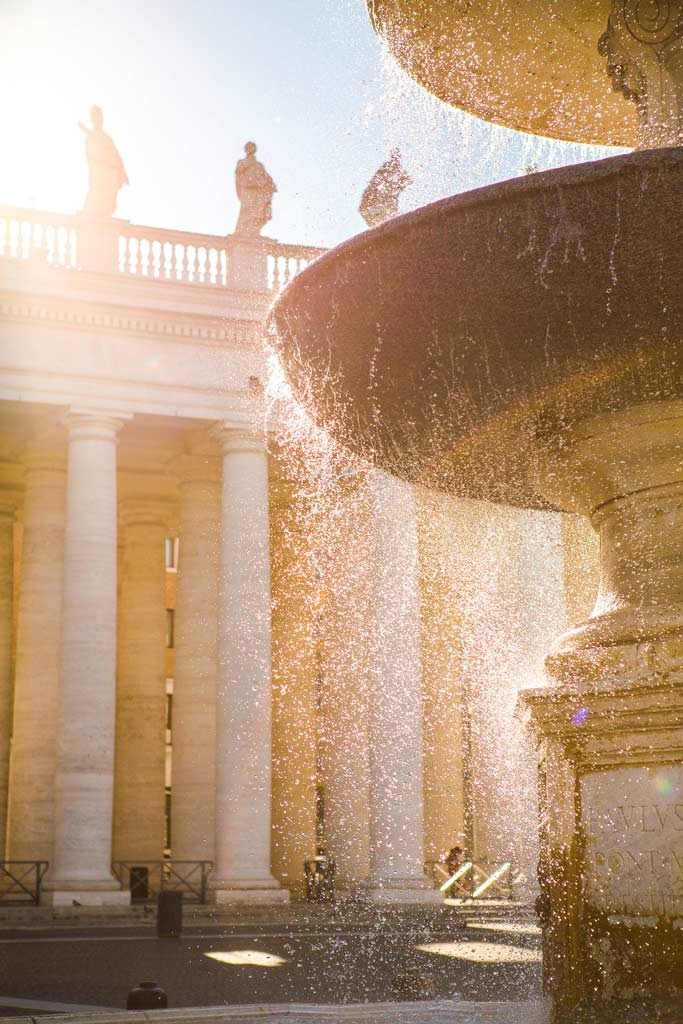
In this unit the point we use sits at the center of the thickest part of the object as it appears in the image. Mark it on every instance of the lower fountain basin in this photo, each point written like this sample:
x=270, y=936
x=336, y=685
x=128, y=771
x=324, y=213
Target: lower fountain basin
x=452, y=345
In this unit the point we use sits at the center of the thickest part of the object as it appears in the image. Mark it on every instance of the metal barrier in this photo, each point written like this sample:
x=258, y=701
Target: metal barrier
x=146, y=879
x=477, y=880
x=21, y=881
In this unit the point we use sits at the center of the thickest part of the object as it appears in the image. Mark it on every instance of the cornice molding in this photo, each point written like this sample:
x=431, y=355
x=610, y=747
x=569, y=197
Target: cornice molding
x=180, y=327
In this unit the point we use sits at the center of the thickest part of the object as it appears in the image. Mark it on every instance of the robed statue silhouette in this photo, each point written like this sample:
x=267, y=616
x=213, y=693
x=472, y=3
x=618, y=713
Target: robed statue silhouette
x=106, y=173
x=255, y=190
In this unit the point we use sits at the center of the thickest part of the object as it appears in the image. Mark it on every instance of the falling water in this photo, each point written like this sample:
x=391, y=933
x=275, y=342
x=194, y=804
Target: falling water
x=492, y=578
x=447, y=151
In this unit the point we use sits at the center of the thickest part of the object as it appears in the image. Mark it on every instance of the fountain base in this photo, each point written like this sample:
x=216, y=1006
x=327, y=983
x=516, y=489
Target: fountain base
x=611, y=785
x=610, y=735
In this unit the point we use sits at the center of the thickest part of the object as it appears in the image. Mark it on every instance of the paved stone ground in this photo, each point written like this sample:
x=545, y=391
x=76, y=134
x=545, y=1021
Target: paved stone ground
x=296, y=914
x=379, y=1013
x=322, y=959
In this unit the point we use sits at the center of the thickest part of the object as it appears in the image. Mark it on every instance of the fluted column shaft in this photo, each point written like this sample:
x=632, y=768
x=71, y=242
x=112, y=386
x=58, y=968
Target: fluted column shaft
x=243, y=705
x=139, y=812
x=37, y=670
x=193, y=771
x=6, y=576
x=87, y=705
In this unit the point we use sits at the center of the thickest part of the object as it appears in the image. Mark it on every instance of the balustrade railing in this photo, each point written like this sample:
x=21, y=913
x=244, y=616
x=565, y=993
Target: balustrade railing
x=21, y=881
x=286, y=261
x=49, y=238
x=146, y=879
x=173, y=255
x=159, y=254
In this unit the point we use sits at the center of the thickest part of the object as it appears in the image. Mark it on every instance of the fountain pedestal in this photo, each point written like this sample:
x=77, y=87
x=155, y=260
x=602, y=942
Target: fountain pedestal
x=610, y=732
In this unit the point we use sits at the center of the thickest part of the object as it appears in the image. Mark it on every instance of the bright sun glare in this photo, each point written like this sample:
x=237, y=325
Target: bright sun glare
x=511, y=927
x=483, y=952
x=247, y=958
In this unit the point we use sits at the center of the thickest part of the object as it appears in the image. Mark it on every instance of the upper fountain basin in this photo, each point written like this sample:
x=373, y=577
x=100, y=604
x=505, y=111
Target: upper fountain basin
x=452, y=345
x=533, y=65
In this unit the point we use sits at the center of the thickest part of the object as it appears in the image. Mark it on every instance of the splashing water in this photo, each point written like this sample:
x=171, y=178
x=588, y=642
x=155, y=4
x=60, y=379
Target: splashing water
x=447, y=150
x=492, y=602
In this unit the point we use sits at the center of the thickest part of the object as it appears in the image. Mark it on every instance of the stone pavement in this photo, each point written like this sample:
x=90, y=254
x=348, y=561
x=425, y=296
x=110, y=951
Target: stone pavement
x=296, y=914
x=450, y=1012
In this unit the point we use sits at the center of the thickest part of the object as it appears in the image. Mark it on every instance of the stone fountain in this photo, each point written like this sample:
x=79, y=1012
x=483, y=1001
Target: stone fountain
x=524, y=343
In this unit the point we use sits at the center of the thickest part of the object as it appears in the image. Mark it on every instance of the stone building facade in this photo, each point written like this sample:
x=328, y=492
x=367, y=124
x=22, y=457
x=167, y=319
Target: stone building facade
x=155, y=554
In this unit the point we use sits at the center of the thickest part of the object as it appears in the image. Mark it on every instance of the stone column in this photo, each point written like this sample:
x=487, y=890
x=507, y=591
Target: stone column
x=395, y=701
x=243, y=700
x=294, y=669
x=193, y=766
x=344, y=554
x=444, y=722
x=39, y=640
x=139, y=810
x=6, y=576
x=84, y=785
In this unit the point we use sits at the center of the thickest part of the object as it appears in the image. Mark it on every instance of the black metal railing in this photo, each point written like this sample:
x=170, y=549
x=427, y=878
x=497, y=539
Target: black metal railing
x=146, y=879
x=21, y=881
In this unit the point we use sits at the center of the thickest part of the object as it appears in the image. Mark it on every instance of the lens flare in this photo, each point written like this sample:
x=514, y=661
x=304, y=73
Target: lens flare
x=580, y=716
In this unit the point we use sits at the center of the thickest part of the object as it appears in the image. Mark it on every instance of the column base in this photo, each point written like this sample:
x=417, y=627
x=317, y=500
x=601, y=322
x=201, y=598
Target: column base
x=401, y=891
x=85, y=897
x=234, y=897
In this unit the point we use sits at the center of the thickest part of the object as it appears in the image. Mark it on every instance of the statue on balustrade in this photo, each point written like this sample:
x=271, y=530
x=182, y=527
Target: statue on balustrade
x=380, y=198
x=106, y=173
x=255, y=190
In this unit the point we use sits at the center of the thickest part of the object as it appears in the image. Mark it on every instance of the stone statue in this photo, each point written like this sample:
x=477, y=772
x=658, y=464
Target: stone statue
x=106, y=173
x=255, y=190
x=381, y=195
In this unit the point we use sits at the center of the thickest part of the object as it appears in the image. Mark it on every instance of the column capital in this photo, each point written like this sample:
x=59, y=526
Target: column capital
x=242, y=438
x=93, y=424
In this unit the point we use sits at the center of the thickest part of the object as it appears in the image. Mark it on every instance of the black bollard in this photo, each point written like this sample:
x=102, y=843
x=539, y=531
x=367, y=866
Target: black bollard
x=147, y=996
x=170, y=914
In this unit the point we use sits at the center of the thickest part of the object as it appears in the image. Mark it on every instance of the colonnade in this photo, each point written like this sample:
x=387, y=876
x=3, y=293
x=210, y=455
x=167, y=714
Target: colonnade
x=87, y=765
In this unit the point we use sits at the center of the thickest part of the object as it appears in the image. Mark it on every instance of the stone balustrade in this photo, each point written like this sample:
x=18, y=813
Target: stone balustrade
x=38, y=235
x=162, y=254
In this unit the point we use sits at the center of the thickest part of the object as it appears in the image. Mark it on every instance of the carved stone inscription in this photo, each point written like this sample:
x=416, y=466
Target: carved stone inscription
x=633, y=822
